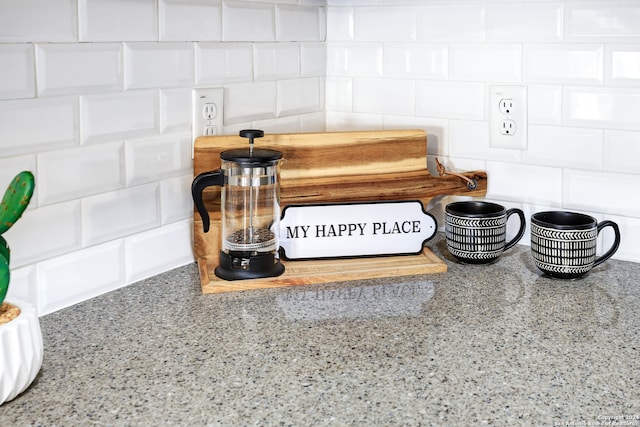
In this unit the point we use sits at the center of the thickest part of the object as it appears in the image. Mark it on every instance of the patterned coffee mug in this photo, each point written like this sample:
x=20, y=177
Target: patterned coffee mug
x=563, y=244
x=476, y=231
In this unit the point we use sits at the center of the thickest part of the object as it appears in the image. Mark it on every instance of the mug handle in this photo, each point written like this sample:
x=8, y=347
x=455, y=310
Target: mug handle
x=516, y=239
x=616, y=242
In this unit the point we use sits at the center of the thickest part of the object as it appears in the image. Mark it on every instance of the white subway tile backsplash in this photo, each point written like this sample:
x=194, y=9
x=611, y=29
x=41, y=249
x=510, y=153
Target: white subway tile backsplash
x=218, y=63
x=354, y=59
x=384, y=96
x=339, y=94
x=614, y=108
x=97, y=67
x=278, y=1
x=234, y=128
x=450, y=100
x=78, y=276
x=622, y=65
x=112, y=74
x=57, y=124
x=385, y=23
x=526, y=22
x=300, y=23
x=437, y=136
x=113, y=215
x=563, y=63
x=470, y=139
x=45, y=232
x=594, y=191
x=337, y=121
x=621, y=151
x=175, y=199
x=24, y=285
x=249, y=101
x=78, y=172
x=313, y=59
x=107, y=20
x=455, y=23
x=244, y=22
x=340, y=23
x=278, y=125
x=416, y=60
x=491, y=62
x=299, y=96
x=607, y=21
x=525, y=183
x=11, y=166
x=190, y=20
x=155, y=251
x=545, y=104
x=272, y=61
x=156, y=158
x=559, y=146
x=38, y=20
x=118, y=116
x=355, y=2
x=149, y=65
x=312, y=122
x=629, y=250
x=17, y=76
x=175, y=110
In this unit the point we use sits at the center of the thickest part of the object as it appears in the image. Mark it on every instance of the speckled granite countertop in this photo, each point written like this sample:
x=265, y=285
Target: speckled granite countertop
x=496, y=345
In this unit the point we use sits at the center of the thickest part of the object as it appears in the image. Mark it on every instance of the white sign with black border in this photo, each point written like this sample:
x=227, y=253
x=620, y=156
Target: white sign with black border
x=355, y=229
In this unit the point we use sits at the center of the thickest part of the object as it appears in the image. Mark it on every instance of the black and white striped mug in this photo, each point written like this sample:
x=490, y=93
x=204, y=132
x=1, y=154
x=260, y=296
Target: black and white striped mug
x=563, y=244
x=476, y=231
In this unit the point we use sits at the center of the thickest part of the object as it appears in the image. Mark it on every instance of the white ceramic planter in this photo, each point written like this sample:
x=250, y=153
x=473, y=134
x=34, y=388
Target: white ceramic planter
x=21, y=352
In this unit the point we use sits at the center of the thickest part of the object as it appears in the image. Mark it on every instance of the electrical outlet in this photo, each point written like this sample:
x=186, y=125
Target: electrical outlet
x=508, y=117
x=508, y=127
x=505, y=106
x=207, y=112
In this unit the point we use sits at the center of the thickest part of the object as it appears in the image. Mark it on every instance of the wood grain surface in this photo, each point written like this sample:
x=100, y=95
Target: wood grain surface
x=332, y=167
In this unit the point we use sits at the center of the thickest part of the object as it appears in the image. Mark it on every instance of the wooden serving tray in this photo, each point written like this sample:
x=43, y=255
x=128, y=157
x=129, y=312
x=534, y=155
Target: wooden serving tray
x=325, y=168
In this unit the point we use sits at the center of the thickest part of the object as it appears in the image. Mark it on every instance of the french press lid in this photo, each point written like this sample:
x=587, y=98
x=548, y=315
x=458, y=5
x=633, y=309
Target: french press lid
x=246, y=157
x=250, y=157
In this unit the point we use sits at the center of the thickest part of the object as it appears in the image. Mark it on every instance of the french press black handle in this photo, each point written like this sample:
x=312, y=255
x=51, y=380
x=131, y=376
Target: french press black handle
x=202, y=181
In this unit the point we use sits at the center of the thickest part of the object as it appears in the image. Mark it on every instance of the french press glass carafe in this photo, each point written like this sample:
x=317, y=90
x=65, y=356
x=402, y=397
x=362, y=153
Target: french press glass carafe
x=250, y=200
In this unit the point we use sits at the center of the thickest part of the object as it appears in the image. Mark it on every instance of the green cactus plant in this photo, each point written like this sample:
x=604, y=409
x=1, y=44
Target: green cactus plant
x=15, y=201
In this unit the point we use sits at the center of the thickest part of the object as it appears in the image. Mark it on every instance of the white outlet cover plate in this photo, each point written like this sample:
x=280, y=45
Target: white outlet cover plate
x=519, y=115
x=207, y=101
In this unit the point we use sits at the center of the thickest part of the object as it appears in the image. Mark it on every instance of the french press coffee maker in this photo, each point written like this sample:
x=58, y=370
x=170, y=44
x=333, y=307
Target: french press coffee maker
x=250, y=200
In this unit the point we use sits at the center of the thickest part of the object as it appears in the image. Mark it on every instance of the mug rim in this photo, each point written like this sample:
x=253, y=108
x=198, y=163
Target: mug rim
x=495, y=209
x=564, y=220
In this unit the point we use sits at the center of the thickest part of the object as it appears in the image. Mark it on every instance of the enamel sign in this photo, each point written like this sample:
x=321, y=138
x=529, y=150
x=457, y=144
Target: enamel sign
x=355, y=229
